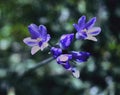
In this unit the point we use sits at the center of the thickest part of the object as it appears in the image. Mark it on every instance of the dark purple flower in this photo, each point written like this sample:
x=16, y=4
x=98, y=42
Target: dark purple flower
x=80, y=56
x=86, y=30
x=56, y=52
x=66, y=40
x=39, y=38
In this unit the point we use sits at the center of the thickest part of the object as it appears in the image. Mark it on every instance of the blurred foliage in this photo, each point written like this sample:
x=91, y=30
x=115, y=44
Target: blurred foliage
x=99, y=76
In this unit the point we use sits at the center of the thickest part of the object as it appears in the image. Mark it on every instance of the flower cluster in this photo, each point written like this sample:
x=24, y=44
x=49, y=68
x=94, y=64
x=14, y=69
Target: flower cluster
x=85, y=31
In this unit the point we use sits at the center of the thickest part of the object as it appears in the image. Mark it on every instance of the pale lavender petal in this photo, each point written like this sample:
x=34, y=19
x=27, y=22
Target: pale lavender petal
x=43, y=46
x=34, y=32
x=90, y=23
x=48, y=38
x=43, y=32
x=30, y=42
x=76, y=73
x=63, y=58
x=90, y=37
x=35, y=49
x=94, y=31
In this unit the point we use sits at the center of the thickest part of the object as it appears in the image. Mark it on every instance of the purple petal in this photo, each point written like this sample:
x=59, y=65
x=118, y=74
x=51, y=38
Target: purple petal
x=80, y=56
x=66, y=40
x=90, y=23
x=66, y=65
x=48, y=38
x=35, y=49
x=40, y=43
x=30, y=42
x=43, y=32
x=56, y=52
x=81, y=22
x=34, y=32
x=81, y=35
x=76, y=27
x=94, y=31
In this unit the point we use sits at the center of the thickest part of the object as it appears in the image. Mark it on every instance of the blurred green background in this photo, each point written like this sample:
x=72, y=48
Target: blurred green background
x=99, y=76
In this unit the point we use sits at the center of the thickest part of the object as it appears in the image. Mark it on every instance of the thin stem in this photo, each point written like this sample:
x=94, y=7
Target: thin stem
x=46, y=61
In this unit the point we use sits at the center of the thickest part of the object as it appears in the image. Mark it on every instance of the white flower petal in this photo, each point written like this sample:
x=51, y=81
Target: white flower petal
x=35, y=49
x=76, y=74
x=44, y=45
x=90, y=37
x=30, y=42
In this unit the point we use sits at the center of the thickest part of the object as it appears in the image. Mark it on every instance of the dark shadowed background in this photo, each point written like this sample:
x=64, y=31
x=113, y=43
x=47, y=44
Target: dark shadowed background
x=100, y=75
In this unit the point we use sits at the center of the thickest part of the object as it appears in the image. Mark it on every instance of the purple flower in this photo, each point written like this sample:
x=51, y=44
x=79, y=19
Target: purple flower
x=80, y=56
x=66, y=40
x=64, y=59
x=56, y=52
x=39, y=38
x=86, y=30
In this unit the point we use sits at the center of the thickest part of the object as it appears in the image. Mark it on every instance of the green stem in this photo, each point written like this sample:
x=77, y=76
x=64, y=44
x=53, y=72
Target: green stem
x=46, y=61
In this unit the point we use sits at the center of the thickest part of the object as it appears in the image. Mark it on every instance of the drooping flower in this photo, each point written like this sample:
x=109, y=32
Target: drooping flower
x=80, y=56
x=39, y=38
x=61, y=58
x=66, y=40
x=64, y=60
x=86, y=30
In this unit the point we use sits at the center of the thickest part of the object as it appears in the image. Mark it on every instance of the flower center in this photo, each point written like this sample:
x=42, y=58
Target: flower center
x=39, y=39
x=84, y=30
x=44, y=45
x=63, y=58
